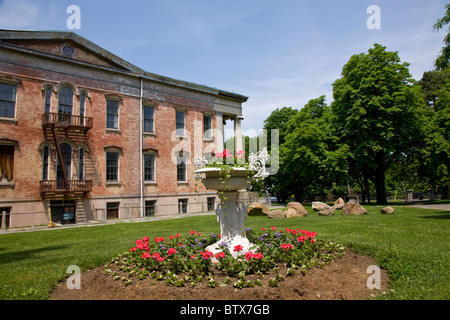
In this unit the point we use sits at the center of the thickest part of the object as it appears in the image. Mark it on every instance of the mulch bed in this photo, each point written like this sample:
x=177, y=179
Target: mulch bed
x=343, y=279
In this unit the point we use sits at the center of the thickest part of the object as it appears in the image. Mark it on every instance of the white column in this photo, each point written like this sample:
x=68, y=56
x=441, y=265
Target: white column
x=219, y=132
x=237, y=134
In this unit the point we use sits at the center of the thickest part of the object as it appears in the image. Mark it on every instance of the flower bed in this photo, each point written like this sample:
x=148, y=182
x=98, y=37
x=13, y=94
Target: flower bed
x=183, y=260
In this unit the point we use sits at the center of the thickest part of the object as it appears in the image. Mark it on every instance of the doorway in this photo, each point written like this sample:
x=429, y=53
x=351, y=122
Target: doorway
x=63, y=211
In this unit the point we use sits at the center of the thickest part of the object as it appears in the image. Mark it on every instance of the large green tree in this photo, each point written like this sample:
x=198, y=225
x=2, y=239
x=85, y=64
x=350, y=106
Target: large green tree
x=311, y=157
x=377, y=113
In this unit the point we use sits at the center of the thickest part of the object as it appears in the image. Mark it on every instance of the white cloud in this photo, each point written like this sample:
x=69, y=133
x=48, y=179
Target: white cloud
x=18, y=14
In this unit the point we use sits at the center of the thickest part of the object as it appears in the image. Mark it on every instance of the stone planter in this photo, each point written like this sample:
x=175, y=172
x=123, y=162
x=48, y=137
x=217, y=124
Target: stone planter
x=231, y=214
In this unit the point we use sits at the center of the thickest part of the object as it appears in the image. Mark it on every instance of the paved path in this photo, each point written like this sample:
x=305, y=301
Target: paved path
x=102, y=223
x=441, y=206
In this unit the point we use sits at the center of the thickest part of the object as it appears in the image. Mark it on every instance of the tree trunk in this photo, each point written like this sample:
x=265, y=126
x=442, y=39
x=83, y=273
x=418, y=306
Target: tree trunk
x=380, y=184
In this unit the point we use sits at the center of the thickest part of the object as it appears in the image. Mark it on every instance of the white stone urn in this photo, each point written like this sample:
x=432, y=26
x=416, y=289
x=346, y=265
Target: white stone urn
x=231, y=214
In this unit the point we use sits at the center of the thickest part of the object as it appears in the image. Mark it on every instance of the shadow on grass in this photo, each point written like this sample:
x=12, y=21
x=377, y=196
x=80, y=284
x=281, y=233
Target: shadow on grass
x=438, y=215
x=25, y=254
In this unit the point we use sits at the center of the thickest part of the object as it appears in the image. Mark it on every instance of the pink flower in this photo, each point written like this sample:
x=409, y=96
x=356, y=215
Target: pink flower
x=273, y=228
x=238, y=248
x=171, y=251
x=240, y=154
x=146, y=239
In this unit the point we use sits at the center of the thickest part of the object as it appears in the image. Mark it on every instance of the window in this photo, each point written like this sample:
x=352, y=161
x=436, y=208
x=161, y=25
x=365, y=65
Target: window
x=112, y=114
x=182, y=205
x=65, y=101
x=148, y=119
x=82, y=108
x=48, y=99
x=66, y=151
x=7, y=100
x=180, y=115
x=181, y=167
x=81, y=164
x=112, y=210
x=67, y=50
x=150, y=208
x=207, y=127
x=210, y=203
x=45, y=155
x=112, y=166
x=149, y=167
x=6, y=162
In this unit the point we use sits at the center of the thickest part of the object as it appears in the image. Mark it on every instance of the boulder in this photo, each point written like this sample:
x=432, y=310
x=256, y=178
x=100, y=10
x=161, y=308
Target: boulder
x=319, y=206
x=339, y=204
x=295, y=209
x=277, y=214
x=353, y=208
x=388, y=210
x=326, y=212
x=258, y=209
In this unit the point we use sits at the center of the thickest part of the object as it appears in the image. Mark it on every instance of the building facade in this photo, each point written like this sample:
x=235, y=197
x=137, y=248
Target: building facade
x=85, y=135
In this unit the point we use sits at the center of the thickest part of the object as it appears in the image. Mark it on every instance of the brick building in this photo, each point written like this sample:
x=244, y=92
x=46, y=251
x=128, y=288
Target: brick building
x=85, y=135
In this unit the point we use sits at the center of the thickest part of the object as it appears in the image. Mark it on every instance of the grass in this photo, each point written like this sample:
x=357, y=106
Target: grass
x=412, y=244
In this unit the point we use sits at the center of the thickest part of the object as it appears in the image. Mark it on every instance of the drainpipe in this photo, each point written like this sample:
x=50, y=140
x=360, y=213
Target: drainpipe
x=140, y=149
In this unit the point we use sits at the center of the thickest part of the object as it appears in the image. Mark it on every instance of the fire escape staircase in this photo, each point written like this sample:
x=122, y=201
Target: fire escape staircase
x=75, y=128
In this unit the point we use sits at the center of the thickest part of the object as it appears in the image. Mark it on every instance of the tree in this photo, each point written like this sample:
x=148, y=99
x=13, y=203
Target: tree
x=277, y=123
x=377, y=112
x=311, y=158
x=431, y=83
x=442, y=61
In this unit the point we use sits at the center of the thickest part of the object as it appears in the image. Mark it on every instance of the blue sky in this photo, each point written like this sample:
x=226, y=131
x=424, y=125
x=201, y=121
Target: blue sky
x=278, y=53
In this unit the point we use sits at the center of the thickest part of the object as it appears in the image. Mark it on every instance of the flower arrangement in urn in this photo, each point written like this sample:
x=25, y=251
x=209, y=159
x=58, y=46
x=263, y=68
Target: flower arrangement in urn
x=228, y=174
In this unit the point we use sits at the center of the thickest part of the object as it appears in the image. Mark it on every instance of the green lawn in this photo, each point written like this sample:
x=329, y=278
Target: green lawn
x=412, y=244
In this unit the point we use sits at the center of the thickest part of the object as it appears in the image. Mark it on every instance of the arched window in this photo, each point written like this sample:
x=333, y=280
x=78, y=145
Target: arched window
x=82, y=108
x=48, y=99
x=65, y=101
x=45, y=157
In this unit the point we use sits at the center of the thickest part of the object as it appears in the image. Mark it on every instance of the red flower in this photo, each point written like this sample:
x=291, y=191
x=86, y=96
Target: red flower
x=273, y=228
x=177, y=235
x=301, y=239
x=171, y=251
x=133, y=249
x=192, y=232
x=146, y=239
x=145, y=255
x=220, y=255
x=238, y=248
x=158, y=257
x=161, y=239
x=286, y=246
x=250, y=255
x=207, y=254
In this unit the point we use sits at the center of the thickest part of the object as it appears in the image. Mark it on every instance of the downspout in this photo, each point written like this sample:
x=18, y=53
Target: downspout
x=141, y=148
